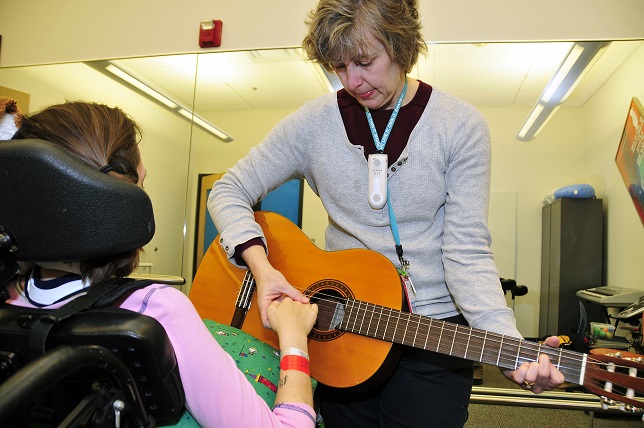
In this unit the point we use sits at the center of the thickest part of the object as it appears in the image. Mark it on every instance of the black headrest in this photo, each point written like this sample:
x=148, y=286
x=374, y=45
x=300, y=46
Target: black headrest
x=54, y=207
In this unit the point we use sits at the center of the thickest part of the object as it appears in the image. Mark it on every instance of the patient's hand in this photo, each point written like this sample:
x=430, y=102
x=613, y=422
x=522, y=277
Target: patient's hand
x=292, y=320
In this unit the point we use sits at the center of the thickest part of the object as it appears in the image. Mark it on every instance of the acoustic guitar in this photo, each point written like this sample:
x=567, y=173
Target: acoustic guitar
x=361, y=319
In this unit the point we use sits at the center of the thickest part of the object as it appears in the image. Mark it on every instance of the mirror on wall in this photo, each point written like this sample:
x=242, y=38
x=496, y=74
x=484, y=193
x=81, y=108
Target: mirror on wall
x=165, y=144
x=201, y=112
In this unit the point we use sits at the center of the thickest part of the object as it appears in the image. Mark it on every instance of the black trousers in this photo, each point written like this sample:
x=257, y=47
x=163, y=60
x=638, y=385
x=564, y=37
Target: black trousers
x=425, y=390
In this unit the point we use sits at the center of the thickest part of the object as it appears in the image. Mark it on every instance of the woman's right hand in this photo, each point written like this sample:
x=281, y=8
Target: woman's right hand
x=270, y=283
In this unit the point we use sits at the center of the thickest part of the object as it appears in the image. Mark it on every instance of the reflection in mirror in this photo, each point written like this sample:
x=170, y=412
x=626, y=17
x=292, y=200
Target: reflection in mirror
x=165, y=144
x=247, y=93
x=244, y=94
x=134, y=74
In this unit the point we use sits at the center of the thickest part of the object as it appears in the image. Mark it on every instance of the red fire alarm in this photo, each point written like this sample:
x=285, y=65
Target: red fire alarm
x=210, y=33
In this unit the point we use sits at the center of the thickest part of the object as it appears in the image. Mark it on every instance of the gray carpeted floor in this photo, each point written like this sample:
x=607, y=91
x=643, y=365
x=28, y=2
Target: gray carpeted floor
x=493, y=416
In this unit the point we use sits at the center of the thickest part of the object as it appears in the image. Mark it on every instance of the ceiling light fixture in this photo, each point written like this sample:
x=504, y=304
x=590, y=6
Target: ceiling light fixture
x=140, y=86
x=204, y=124
x=153, y=94
x=578, y=61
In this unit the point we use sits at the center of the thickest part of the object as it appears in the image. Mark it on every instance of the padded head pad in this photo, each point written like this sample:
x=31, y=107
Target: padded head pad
x=55, y=207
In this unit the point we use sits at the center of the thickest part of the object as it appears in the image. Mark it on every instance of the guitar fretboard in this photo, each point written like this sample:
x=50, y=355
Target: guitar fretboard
x=439, y=336
x=417, y=331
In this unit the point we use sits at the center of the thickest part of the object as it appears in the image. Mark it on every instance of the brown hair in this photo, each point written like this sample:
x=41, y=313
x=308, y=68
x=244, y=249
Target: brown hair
x=98, y=135
x=338, y=28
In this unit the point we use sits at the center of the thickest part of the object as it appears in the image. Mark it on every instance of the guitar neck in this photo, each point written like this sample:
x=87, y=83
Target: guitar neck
x=414, y=330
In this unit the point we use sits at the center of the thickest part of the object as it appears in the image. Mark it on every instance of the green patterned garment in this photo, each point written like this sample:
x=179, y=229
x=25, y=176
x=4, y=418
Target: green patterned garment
x=256, y=359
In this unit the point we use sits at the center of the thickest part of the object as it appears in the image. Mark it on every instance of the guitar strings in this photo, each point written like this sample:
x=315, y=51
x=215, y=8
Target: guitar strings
x=390, y=327
x=568, y=362
x=530, y=350
x=477, y=339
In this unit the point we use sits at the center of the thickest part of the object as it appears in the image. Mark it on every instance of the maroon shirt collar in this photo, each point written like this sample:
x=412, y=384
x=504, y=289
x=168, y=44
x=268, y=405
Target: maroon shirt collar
x=357, y=127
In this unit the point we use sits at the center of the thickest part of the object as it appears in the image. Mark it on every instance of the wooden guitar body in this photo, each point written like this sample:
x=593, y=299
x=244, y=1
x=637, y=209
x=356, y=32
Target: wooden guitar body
x=338, y=358
x=360, y=318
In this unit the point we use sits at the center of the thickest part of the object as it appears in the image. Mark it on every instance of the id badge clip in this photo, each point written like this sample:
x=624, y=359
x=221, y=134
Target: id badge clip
x=408, y=288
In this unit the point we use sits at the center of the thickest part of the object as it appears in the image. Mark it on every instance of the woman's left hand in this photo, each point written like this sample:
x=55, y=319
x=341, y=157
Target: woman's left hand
x=537, y=376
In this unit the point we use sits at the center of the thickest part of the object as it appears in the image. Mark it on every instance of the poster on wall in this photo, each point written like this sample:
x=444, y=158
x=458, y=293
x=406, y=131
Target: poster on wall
x=630, y=155
x=285, y=200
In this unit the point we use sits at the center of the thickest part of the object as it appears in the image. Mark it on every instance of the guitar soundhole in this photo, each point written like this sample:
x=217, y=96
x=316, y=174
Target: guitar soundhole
x=330, y=296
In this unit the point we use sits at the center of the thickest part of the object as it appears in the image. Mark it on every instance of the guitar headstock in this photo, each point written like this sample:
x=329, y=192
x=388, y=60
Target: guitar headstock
x=617, y=378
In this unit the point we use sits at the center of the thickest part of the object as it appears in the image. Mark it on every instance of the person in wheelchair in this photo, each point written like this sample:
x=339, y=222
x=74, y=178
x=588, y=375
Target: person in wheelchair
x=217, y=393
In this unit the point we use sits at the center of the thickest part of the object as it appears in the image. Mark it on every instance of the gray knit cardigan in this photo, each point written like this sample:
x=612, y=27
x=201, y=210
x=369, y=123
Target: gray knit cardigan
x=439, y=188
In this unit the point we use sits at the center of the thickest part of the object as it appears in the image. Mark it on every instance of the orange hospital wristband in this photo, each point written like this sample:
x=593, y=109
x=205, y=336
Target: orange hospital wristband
x=295, y=362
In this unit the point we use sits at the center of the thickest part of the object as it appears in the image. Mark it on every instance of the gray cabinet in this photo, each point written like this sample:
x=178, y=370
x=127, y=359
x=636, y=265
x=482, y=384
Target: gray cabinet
x=571, y=260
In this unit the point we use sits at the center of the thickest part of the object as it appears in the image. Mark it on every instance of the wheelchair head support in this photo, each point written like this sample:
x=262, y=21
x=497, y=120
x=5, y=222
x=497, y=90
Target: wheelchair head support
x=57, y=208
x=93, y=366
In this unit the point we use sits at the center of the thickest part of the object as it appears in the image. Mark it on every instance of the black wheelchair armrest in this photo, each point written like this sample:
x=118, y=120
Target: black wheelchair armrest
x=137, y=341
x=40, y=374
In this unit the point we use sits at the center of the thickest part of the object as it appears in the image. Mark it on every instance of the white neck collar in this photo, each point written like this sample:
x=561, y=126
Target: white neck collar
x=47, y=292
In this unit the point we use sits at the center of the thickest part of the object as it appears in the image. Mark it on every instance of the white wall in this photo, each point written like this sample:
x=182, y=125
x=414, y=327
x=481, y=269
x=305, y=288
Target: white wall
x=532, y=170
x=577, y=146
x=605, y=116
x=42, y=31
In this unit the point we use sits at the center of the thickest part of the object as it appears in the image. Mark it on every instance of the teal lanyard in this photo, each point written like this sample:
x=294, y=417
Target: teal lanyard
x=380, y=146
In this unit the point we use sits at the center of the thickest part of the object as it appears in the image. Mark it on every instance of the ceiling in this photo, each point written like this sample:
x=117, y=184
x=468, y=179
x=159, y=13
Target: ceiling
x=485, y=74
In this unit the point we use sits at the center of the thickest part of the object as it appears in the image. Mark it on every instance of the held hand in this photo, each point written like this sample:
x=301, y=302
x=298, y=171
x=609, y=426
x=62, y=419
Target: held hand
x=291, y=319
x=273, y=287
x=271, y=284
x=540, y=375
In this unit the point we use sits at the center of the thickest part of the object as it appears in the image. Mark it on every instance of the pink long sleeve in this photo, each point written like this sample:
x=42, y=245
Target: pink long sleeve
x=217, y=393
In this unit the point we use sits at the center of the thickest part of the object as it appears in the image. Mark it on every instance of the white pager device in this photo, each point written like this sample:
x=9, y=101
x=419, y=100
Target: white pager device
x=378, y=164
